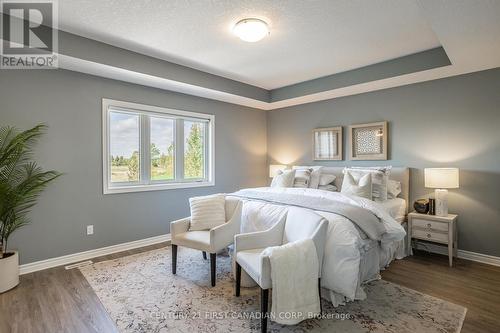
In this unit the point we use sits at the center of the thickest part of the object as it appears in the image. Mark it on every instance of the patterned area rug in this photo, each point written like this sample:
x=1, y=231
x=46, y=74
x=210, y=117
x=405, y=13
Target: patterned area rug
x=141, y=295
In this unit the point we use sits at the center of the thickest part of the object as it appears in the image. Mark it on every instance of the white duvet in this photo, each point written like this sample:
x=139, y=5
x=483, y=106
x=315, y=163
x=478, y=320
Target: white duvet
x=345, y=243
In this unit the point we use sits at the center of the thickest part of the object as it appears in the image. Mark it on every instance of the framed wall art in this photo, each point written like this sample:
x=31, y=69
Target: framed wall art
x=368, y=141
x=327, y=144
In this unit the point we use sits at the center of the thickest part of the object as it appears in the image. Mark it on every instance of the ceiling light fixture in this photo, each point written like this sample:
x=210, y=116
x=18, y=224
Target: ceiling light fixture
x=251, y=29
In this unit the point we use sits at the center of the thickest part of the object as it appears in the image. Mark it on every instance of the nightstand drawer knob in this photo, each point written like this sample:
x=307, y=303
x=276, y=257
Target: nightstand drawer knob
x=429, y=235
x=429, y=225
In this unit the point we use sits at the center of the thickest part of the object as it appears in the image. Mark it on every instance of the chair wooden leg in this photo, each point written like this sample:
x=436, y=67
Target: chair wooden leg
x=319, y=293
x=264, y=299
x=238, y=279
x=213, y=258
x=204, y=255
x=174, y=259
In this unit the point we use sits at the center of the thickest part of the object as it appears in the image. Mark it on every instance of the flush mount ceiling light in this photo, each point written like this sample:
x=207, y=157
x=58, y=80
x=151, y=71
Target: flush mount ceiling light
x=251, y=29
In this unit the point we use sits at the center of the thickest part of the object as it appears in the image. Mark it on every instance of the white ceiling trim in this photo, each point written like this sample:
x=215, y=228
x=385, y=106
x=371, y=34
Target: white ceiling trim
x=397, y=81
x=116, y=73
x=92, y=68
x=468, y=31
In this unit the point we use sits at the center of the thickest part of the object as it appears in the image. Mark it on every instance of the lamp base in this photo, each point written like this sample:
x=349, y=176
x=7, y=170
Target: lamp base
x=441, y=202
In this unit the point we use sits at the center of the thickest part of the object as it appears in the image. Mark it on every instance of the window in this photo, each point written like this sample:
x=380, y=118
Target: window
x=162, y=148
x=194, y=156
x=151, y=148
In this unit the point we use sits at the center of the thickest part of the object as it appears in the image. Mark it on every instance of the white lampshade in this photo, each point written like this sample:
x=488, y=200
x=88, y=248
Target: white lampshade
x=441, y=177
x=274, y=168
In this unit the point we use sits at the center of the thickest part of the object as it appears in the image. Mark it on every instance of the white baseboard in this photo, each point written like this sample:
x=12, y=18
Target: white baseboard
x=473, y=256
x=75, y=257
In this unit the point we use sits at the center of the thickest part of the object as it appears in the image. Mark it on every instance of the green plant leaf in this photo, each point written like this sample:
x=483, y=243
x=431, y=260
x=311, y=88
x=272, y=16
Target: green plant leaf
x=21, y=179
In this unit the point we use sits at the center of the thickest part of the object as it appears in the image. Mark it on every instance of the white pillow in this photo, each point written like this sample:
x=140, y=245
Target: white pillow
x=361, y=187
x=380, y=177
x=283, y=178
x=315, y=174
x=393, y=189
x=302, y=178
x=207, y=212
x=329, y=187
x=326, y=179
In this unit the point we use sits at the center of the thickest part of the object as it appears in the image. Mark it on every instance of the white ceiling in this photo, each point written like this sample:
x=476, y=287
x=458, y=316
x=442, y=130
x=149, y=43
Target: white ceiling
x=309, y=38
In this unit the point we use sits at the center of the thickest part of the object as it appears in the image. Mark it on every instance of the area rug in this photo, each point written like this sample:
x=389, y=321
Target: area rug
x=141, y=295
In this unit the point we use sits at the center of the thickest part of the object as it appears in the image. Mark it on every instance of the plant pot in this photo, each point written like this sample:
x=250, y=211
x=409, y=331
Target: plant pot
x=9, y=272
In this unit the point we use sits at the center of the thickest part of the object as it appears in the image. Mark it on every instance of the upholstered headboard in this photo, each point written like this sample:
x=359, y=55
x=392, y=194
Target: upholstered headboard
x=401, y=174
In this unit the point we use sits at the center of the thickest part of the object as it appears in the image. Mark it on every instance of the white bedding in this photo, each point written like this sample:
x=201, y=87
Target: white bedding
x=396, y=208
x=343, y=267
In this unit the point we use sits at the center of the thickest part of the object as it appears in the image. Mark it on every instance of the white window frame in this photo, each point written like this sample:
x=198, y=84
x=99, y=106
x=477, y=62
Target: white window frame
x=144, y=183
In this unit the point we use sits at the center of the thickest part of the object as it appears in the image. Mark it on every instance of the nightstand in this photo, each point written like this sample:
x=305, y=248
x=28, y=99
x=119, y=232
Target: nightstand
x=437, y=229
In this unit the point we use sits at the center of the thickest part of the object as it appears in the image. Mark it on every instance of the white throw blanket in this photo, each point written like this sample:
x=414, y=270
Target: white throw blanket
x=294, y=274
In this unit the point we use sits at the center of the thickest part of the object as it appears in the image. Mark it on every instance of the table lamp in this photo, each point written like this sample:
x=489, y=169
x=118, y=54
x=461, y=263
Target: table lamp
x=441, y=179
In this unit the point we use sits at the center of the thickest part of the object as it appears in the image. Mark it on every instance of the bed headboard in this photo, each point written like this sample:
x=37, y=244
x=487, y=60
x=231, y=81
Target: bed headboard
x=401, y=174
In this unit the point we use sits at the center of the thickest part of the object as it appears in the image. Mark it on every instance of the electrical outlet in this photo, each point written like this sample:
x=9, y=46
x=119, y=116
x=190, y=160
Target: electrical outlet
x=90, y=230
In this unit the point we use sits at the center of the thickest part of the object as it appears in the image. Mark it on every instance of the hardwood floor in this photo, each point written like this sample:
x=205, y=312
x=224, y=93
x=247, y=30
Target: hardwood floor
x=473, y=285
x=59, y=300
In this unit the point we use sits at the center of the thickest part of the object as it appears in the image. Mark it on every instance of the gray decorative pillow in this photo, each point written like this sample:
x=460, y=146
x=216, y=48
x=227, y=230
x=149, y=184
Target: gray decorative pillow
x=302, y=178
x=315, y=174
x=326, y=179
x=393, y=189
x=283, y=178
x=380, y=178
x=359, y=186
x=329, y=187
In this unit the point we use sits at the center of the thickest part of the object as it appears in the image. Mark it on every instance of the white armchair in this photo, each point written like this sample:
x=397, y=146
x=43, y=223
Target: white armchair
x=211, y=241
x=299, y=224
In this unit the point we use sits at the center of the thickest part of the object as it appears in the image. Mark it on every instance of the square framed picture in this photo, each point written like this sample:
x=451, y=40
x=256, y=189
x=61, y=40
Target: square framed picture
x=327, y=144
x=368, y=142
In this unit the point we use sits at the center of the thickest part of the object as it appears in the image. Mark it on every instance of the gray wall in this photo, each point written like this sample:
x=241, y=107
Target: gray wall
x=70, y=103
x=448, y=122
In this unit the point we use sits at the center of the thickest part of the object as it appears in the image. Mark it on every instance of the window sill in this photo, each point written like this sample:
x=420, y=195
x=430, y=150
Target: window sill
x=156, y=187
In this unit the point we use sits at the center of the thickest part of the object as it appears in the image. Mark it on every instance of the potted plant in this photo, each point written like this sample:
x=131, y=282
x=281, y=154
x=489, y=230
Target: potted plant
x=21, y=182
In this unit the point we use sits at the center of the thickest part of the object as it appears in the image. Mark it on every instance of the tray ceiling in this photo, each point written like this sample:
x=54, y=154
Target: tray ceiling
x=309, y=39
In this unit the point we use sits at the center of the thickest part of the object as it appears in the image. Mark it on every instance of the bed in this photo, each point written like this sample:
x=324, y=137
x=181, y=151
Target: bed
x=351, y=257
